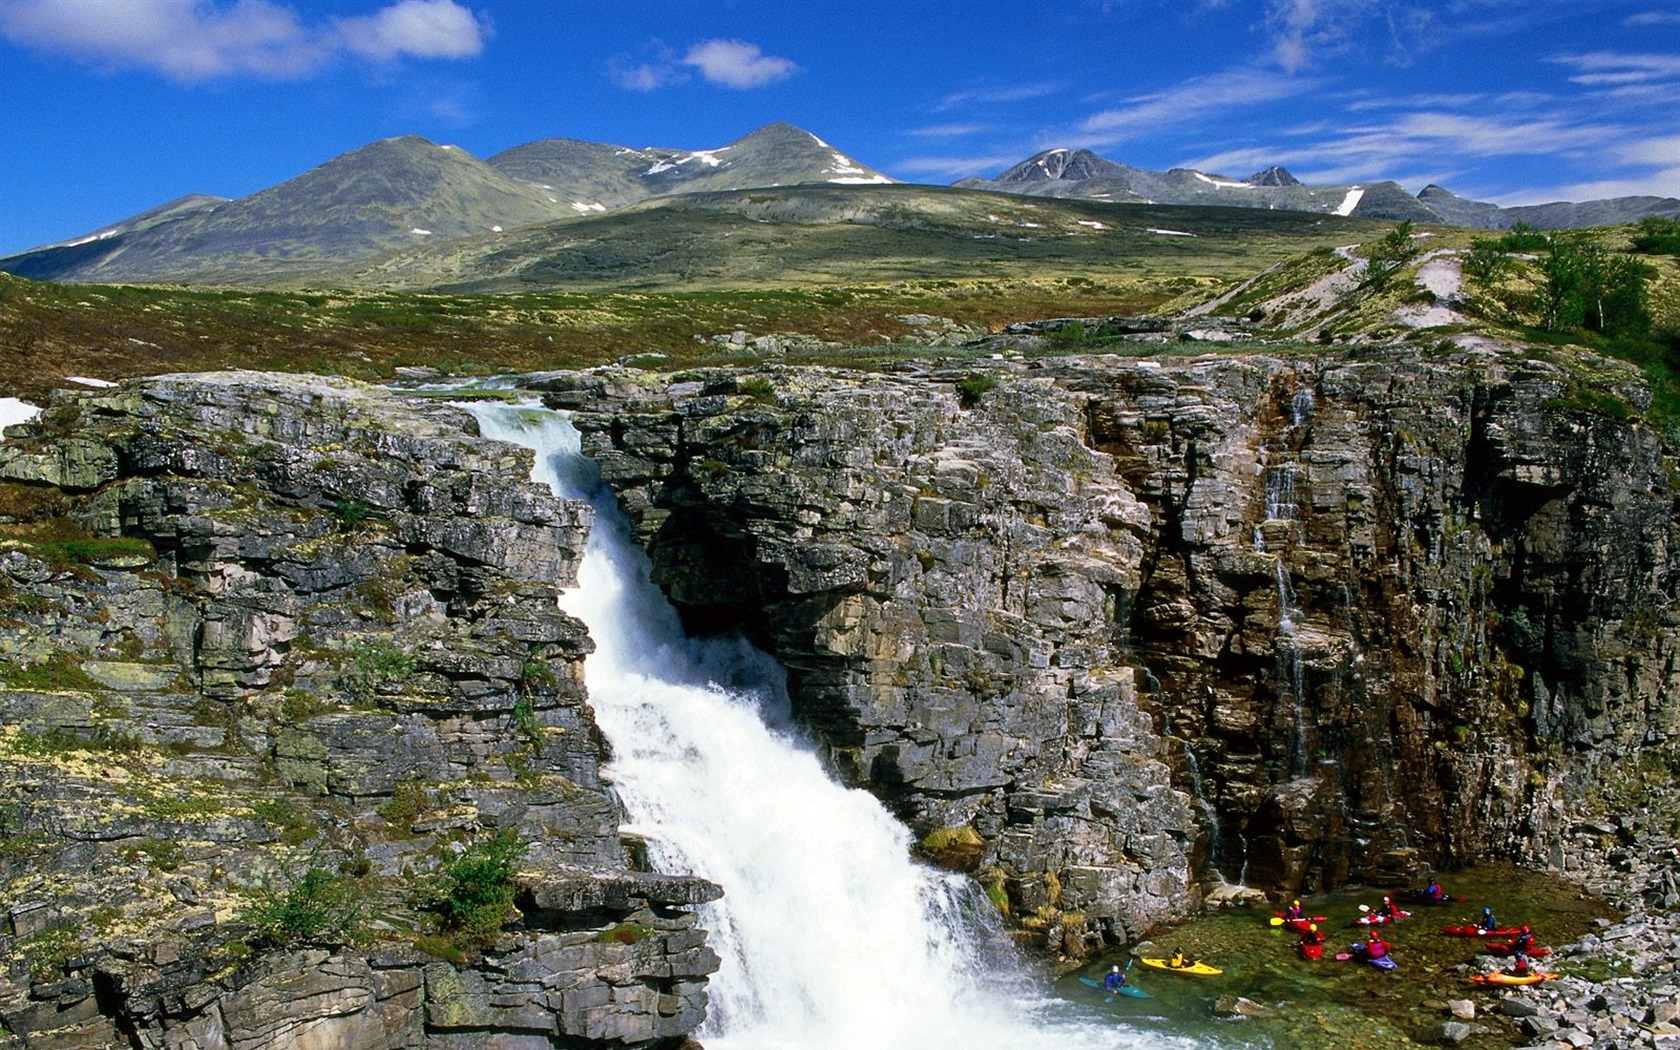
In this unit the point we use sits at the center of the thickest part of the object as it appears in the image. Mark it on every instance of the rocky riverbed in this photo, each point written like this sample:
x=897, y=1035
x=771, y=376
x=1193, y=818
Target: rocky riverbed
x=1621, y=983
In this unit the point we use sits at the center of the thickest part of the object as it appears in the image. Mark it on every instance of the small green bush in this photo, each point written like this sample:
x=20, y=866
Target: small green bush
x=474, y=894
x=759, y=389
x=375, y=664
x=351, y=512
x=322, y=907
x=972, y=387
x=1657, y=236
x=408, y=800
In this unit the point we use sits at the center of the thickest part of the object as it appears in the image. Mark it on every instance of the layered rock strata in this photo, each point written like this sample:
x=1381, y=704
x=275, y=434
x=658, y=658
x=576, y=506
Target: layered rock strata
x=1108, y=631
x=277, y=652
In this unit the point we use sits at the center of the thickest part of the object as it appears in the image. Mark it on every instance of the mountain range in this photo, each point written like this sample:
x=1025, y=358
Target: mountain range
x=400, y=193
x=438, y=216
x=1081, y=174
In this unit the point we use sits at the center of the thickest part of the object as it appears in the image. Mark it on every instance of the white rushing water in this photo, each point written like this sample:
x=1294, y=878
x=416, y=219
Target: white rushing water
x=832, y=938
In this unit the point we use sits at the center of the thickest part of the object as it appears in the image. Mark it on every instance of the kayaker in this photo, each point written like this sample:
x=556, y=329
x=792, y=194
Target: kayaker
x=1375, y=947
x=1488, y=921
x=1293, y=913
x=1386, y=912
x=1177, y=961
x=1519, y=965
x=1524, y=942
x=1434, y=891
x=1114, y=981
x=1310, y=937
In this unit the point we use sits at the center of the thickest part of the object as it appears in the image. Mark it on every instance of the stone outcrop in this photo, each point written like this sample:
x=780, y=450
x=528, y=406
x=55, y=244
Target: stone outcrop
x=1108, y=631
x=277, y=652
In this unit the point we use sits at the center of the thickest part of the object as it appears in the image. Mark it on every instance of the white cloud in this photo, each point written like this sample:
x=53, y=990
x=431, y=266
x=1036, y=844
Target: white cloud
x=197, y=40
x=1664, y=183
x=1016, y=93
x=1608, y=67
x=1653, y=18
x=421, y=28
x=644, y=76
x=955, y=167
x=737, y=64
x=946, y=131
x=1148, y=114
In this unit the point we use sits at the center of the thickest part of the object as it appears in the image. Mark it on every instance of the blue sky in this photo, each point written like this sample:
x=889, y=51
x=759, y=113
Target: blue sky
x=114, y=106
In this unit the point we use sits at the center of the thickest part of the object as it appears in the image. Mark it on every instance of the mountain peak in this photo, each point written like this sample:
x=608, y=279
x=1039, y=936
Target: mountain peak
x=1273, y=176
x=1062, y=164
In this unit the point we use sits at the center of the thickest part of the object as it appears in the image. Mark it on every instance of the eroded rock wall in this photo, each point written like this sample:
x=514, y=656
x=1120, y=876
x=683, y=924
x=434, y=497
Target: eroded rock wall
x=1109, y=630
x=261, y=630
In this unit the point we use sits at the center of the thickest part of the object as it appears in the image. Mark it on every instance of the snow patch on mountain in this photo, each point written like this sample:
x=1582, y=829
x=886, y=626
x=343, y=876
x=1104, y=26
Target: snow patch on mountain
x=1351, y=201
x=585, y=207
x=1224, y=183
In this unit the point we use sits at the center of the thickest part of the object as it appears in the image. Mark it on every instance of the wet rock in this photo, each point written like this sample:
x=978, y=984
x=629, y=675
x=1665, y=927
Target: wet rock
x=1141, y=625
x=305, y=635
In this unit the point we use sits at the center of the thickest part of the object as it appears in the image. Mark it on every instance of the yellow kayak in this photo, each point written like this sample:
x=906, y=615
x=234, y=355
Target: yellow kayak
x=1199, y=968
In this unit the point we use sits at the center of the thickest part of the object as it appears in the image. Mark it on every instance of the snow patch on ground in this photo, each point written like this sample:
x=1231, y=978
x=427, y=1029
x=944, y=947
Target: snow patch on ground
x=14, y=410
x=1443, y=276
x=1351, y=201
x=1168, y=233
x=1093, y=224
x=585, y=207
x=853, y=180
x=423, y=233
x=86, y=381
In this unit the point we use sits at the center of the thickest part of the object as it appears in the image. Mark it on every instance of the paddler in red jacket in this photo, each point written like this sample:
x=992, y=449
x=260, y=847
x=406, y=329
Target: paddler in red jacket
x=1375, y=947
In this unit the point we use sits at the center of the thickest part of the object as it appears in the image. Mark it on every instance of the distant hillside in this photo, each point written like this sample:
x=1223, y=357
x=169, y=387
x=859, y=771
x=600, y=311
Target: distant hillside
x=825, y=235
x=404, y=192
x=1082, y=174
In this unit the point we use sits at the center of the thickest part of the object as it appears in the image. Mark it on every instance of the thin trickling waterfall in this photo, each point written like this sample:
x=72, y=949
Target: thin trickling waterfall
x=831, y=937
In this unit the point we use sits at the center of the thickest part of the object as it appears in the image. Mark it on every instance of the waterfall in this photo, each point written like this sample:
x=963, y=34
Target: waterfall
x=832, y=938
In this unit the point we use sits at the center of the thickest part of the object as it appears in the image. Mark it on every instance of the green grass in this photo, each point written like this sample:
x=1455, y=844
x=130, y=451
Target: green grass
x=648, y=281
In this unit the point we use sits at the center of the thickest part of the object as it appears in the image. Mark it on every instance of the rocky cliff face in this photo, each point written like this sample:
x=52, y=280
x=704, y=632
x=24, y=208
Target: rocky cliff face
x=280, y=654
x=1110, y=631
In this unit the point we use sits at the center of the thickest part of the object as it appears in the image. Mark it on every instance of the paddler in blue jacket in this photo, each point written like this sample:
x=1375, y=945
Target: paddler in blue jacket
x=1114, y=981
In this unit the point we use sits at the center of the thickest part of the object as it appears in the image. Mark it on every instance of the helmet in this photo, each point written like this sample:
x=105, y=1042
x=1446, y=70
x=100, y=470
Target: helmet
x=1313, y=926
x=1487, y=911
x=1525, y=928
x=1388, y=900
x=1115, y=969
x=1296, y=903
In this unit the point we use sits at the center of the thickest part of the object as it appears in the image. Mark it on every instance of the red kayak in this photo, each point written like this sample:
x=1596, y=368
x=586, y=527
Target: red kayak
x=1506, y=947
x=1311, y=951
x=1477, y=931
x=1374, y=919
